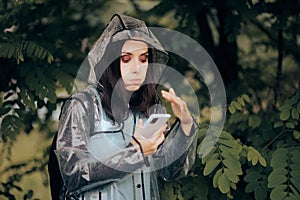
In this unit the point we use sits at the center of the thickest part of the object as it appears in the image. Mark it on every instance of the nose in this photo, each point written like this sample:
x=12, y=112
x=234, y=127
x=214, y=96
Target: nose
x=136, y=66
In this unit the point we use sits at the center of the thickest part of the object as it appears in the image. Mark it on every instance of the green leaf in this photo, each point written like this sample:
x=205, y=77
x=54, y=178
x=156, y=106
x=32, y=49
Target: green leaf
x=260, y=193
x=11, y=126
x=27, y=98
x=295, y=114
x=296, y=134
x=280, y=171
x=231, y=109
x=278, y=163
x=285, y=107
x=290, y=125
x=237, y=105
x=50, y=58
x=226, y=135
x=206, y=147
x=278, y=193
x=4, y=111
x=295, y=182
x=294, y=166
x=285, y=115
x=30, y=49
x=241, y=101
x=293, y=100
x=279, y=158
x=251, y=186
x=224, y=148
x=296, y=156
x=210, y=156
x=292, y=196
x=216, y=178
x=278, y=124
x=254, y=156
x=233, y=186
x=296, y=174
x=224, y=184
x=232, y=177
x=262, y=161
x=252, y=176
x=210, y=166
x=274, y=180
x=246, y=98
x=234, y=167
x=254, y=121
x=228, y=143
x=250, y=155
x=293, y=193
x=254, y=159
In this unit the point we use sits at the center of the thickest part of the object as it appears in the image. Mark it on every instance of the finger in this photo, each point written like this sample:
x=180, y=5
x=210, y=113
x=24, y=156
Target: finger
x=139, y=126
x=161, y=131
x=175, y=98
x=159, y=138
x=170, y=96
x=140, y=123
x=172, y=91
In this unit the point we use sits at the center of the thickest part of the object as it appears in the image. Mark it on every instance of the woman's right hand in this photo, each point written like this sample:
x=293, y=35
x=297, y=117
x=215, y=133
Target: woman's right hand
x=148, y=145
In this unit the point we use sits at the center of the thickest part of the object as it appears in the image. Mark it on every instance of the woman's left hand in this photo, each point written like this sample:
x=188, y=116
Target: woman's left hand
x=180, y=110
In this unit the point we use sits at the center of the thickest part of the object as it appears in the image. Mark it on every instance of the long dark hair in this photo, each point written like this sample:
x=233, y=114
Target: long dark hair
x=116, y=100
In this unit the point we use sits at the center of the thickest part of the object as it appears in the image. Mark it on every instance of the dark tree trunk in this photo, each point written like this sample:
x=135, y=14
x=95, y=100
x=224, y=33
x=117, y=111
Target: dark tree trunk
x=224, y=53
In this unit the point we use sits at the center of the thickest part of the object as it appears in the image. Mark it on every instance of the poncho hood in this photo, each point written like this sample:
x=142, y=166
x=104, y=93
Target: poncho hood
x=122, y=27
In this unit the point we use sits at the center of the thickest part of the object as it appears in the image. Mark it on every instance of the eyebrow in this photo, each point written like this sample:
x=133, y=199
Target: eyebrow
x=129, y=53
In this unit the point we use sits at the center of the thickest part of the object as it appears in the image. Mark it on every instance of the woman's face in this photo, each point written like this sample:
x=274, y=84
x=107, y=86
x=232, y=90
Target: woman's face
x=134, y=64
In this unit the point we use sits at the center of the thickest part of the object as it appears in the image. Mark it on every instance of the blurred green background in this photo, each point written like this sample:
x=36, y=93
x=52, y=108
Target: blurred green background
x=255, y=44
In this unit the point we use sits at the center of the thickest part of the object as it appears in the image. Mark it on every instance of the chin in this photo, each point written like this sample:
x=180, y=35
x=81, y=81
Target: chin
x=132, y=88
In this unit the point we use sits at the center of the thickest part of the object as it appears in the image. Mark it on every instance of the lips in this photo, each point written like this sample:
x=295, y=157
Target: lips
x=134, y=82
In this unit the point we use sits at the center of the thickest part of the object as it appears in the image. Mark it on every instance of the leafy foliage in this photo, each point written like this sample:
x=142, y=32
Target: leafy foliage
x=16, y=50
x=224, y=162
x=39, y=58
x=284, y=179
x=254, y=44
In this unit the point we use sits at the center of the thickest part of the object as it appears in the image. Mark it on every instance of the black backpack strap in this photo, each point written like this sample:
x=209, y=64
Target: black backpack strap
x=56, y=181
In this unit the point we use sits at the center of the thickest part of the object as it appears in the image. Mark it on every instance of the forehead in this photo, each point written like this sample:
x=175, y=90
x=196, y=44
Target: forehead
x=131, y=46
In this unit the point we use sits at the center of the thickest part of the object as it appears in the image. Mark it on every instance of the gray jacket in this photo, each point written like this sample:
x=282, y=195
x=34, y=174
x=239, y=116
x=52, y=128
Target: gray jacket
x=103, y=165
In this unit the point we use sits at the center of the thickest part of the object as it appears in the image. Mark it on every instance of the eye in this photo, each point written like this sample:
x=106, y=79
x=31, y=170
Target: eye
x=125, y=58
x=143, y=58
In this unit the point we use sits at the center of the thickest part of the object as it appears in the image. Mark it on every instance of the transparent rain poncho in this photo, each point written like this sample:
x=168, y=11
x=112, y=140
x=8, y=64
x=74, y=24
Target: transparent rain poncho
x=96, y=158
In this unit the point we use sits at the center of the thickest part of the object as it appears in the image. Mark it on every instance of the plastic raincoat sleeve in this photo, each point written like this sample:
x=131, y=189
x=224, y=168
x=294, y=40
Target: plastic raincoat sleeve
x=177, y=154
x=78, y=167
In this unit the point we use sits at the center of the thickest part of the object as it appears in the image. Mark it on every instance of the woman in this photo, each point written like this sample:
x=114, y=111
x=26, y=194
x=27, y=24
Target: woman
x=100, y=148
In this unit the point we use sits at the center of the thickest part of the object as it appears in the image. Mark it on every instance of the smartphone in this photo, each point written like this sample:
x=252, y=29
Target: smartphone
x=154, y=123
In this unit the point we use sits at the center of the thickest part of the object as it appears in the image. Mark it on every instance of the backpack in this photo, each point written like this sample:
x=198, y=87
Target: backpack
x=55, y=178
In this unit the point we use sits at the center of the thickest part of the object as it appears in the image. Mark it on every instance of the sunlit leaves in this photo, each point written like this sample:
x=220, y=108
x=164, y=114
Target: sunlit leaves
x=254, y=156
x=224, y=161
x=239, y=103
